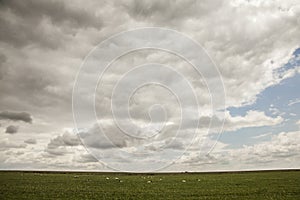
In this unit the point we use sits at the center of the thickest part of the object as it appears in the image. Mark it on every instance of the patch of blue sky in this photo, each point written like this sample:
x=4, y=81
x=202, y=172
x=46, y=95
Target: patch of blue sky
x=293, y=62
x=282, y=100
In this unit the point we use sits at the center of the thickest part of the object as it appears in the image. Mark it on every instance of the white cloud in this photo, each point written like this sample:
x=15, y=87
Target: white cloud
x=283, y=146
x=292, y=102
x=298, y=123
x=251, y=119
x=281, y=151
x=262, y=135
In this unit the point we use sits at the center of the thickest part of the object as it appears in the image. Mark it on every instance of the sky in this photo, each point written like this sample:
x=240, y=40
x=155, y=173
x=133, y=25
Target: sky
x=136, y=85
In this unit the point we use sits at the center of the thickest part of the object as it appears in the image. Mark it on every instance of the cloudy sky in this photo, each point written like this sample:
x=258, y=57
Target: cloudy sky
x=80, y=92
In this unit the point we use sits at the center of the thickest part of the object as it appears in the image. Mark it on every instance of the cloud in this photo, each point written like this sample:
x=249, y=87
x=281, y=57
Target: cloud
x=86, y=158
x=280, y=151
x=12, y=129
x=16, y=116
x=59, y=144
x=252, y=118
x=292, y=102
x=169, y=12
x=2, y=68
x=6, y=144
x=109, y=137
x=48, y=17
x=30, y=141
x=282, y=146
x=43, y=43
x=262, y=135
x=67, y=139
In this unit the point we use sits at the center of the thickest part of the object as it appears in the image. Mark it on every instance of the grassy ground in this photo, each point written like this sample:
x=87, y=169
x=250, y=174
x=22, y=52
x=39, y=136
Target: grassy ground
x=247, y=185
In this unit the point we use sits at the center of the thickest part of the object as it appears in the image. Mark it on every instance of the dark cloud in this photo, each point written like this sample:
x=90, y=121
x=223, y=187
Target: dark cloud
x=24, y=34
x=33, y=18
x=12, y=129
x=16, y=116
x=45, y=88
x=56, y=11
x=169, y=12
x=2, y=68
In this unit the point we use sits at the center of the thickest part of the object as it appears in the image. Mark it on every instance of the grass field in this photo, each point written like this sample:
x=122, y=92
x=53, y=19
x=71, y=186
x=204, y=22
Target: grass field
x=243, y=185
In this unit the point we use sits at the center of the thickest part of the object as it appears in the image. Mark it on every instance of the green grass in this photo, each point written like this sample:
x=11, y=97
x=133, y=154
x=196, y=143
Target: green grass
x=246, y=185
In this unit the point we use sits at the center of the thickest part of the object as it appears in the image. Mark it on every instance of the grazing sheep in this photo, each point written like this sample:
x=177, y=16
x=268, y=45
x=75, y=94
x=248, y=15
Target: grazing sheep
x=183, y=181
x=107, y=178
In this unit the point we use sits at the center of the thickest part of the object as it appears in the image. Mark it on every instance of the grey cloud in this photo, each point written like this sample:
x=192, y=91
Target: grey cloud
x=87, y=158
x=110, y=138
x=38, y=88
x=28, y=35
x=176, y=144
x=12, y=129
x=5, y=145
x=30, y=141
x=169, y=12
x=16, y=116
x=43, y=43
x=57, y=11
x=56, y=151
x=226, y=32
x=33, y=27
x=2, y=68
x=57, y=145
x=67, y=139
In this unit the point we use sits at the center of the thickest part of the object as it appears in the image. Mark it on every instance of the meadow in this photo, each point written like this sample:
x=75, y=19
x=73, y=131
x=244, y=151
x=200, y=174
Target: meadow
x=78, y=185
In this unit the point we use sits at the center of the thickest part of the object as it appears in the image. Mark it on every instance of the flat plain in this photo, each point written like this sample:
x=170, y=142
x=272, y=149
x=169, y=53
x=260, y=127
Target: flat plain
x=88, y=185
